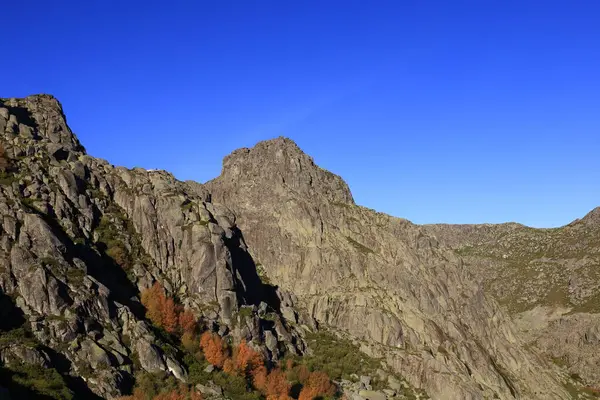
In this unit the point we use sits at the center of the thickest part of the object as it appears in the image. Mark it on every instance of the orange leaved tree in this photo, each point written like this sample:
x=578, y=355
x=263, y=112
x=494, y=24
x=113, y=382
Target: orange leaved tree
x=318, y=384
x=277, y=387
x=246, y=359
x=187, y=321
x=170, y=319
x=214, y=348
x=259, y=377
x=153, y=299
x=165, y=313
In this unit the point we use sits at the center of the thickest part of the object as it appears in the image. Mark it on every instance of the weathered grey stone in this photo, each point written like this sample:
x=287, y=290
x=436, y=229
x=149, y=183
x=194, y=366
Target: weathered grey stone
x=372, y=395
x=380, y=279
x=26, y=131
x=365, y=382
x=209, y=369
x=271, y=341
x=150, y=357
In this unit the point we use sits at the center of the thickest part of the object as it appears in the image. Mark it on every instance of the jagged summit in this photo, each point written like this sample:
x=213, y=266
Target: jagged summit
x=41, y=118
x=279, y=164
x=593, y=217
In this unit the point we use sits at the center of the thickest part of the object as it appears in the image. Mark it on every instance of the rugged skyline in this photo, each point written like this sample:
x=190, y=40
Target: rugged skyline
x=275, y=253
x=438, y=112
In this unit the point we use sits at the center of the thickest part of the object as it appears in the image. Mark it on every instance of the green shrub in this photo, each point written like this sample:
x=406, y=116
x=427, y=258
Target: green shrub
x=7, y=178
x=19, y=335
x=27, y=381
x=339, y=358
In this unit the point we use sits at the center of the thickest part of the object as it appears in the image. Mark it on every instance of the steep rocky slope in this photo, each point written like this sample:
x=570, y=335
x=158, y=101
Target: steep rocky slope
x=379, y=279
x=549, y=279
x=80, y=238
x=270, y=251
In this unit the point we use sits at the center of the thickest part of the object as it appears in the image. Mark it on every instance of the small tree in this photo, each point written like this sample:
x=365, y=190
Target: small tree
x=170, y=319
x=302, y=373
x=187, y=321
x=246, y=359
x=277, y=386
x=259, y=377
x=214, y=349
x=154, y=300
x=318, y=384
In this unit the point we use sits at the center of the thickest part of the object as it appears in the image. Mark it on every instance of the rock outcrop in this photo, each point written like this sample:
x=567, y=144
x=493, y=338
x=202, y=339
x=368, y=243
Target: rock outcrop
x=273, y=248
x=383, y=280
x=548, y=279
x=80, y=238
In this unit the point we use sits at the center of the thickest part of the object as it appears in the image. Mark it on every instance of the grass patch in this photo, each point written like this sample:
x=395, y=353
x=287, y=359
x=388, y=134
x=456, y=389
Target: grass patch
x=49, y=262
x=120, y=240
x=28, y=381
x=19, y=335
x=339, y=204
x=245, y=312
x=262, y=274
x=7, y=178
x=75, y=275
x=187, y=205
x=339, y=358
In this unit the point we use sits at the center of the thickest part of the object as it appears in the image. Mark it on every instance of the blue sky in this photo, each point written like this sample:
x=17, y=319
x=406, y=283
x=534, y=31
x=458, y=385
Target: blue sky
x=435, y=111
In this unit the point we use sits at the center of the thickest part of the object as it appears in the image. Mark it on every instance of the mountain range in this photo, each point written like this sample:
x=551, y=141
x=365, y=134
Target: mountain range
x=275, y=253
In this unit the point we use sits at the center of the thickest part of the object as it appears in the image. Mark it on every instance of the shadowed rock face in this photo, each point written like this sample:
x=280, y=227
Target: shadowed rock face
x=380, y=281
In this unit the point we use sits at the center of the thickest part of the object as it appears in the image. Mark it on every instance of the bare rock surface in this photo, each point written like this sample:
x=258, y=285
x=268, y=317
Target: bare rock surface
x=272, y=249
x=384, y=281
x=548, y=279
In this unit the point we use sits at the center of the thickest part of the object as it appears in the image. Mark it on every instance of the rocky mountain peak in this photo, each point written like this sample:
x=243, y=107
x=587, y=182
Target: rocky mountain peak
x=37, y=120
x=280, y=165
x=593, y=217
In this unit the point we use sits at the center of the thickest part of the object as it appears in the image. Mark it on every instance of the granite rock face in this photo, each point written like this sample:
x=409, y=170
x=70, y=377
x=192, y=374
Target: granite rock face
x=385, y=281
x=271, y=249
x=548, y=279
x=80, y=238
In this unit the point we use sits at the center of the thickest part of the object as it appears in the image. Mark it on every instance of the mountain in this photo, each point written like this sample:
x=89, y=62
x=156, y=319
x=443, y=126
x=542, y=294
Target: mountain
x=548, y=279
x=274, y=253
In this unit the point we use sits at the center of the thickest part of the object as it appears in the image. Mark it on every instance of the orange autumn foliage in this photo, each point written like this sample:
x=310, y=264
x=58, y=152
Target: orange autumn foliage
x=153, y=299
x=303, y=373
x=214, y=349
x=170, y=319
x=246, y=359
x=277, y=387
x=164, y=313
x=187, y=321
x=228, y=366
x=138, y=394
x=289, y=364
x=318, y=384
x=259, y=377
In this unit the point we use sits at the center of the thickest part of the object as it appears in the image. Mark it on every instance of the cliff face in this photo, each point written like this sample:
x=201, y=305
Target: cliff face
x=273, y=234
x=80, y=238
x=548, y=279
x=382, y=280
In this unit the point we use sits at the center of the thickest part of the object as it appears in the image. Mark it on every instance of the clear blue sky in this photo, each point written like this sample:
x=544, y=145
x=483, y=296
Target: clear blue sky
x=435, y=111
